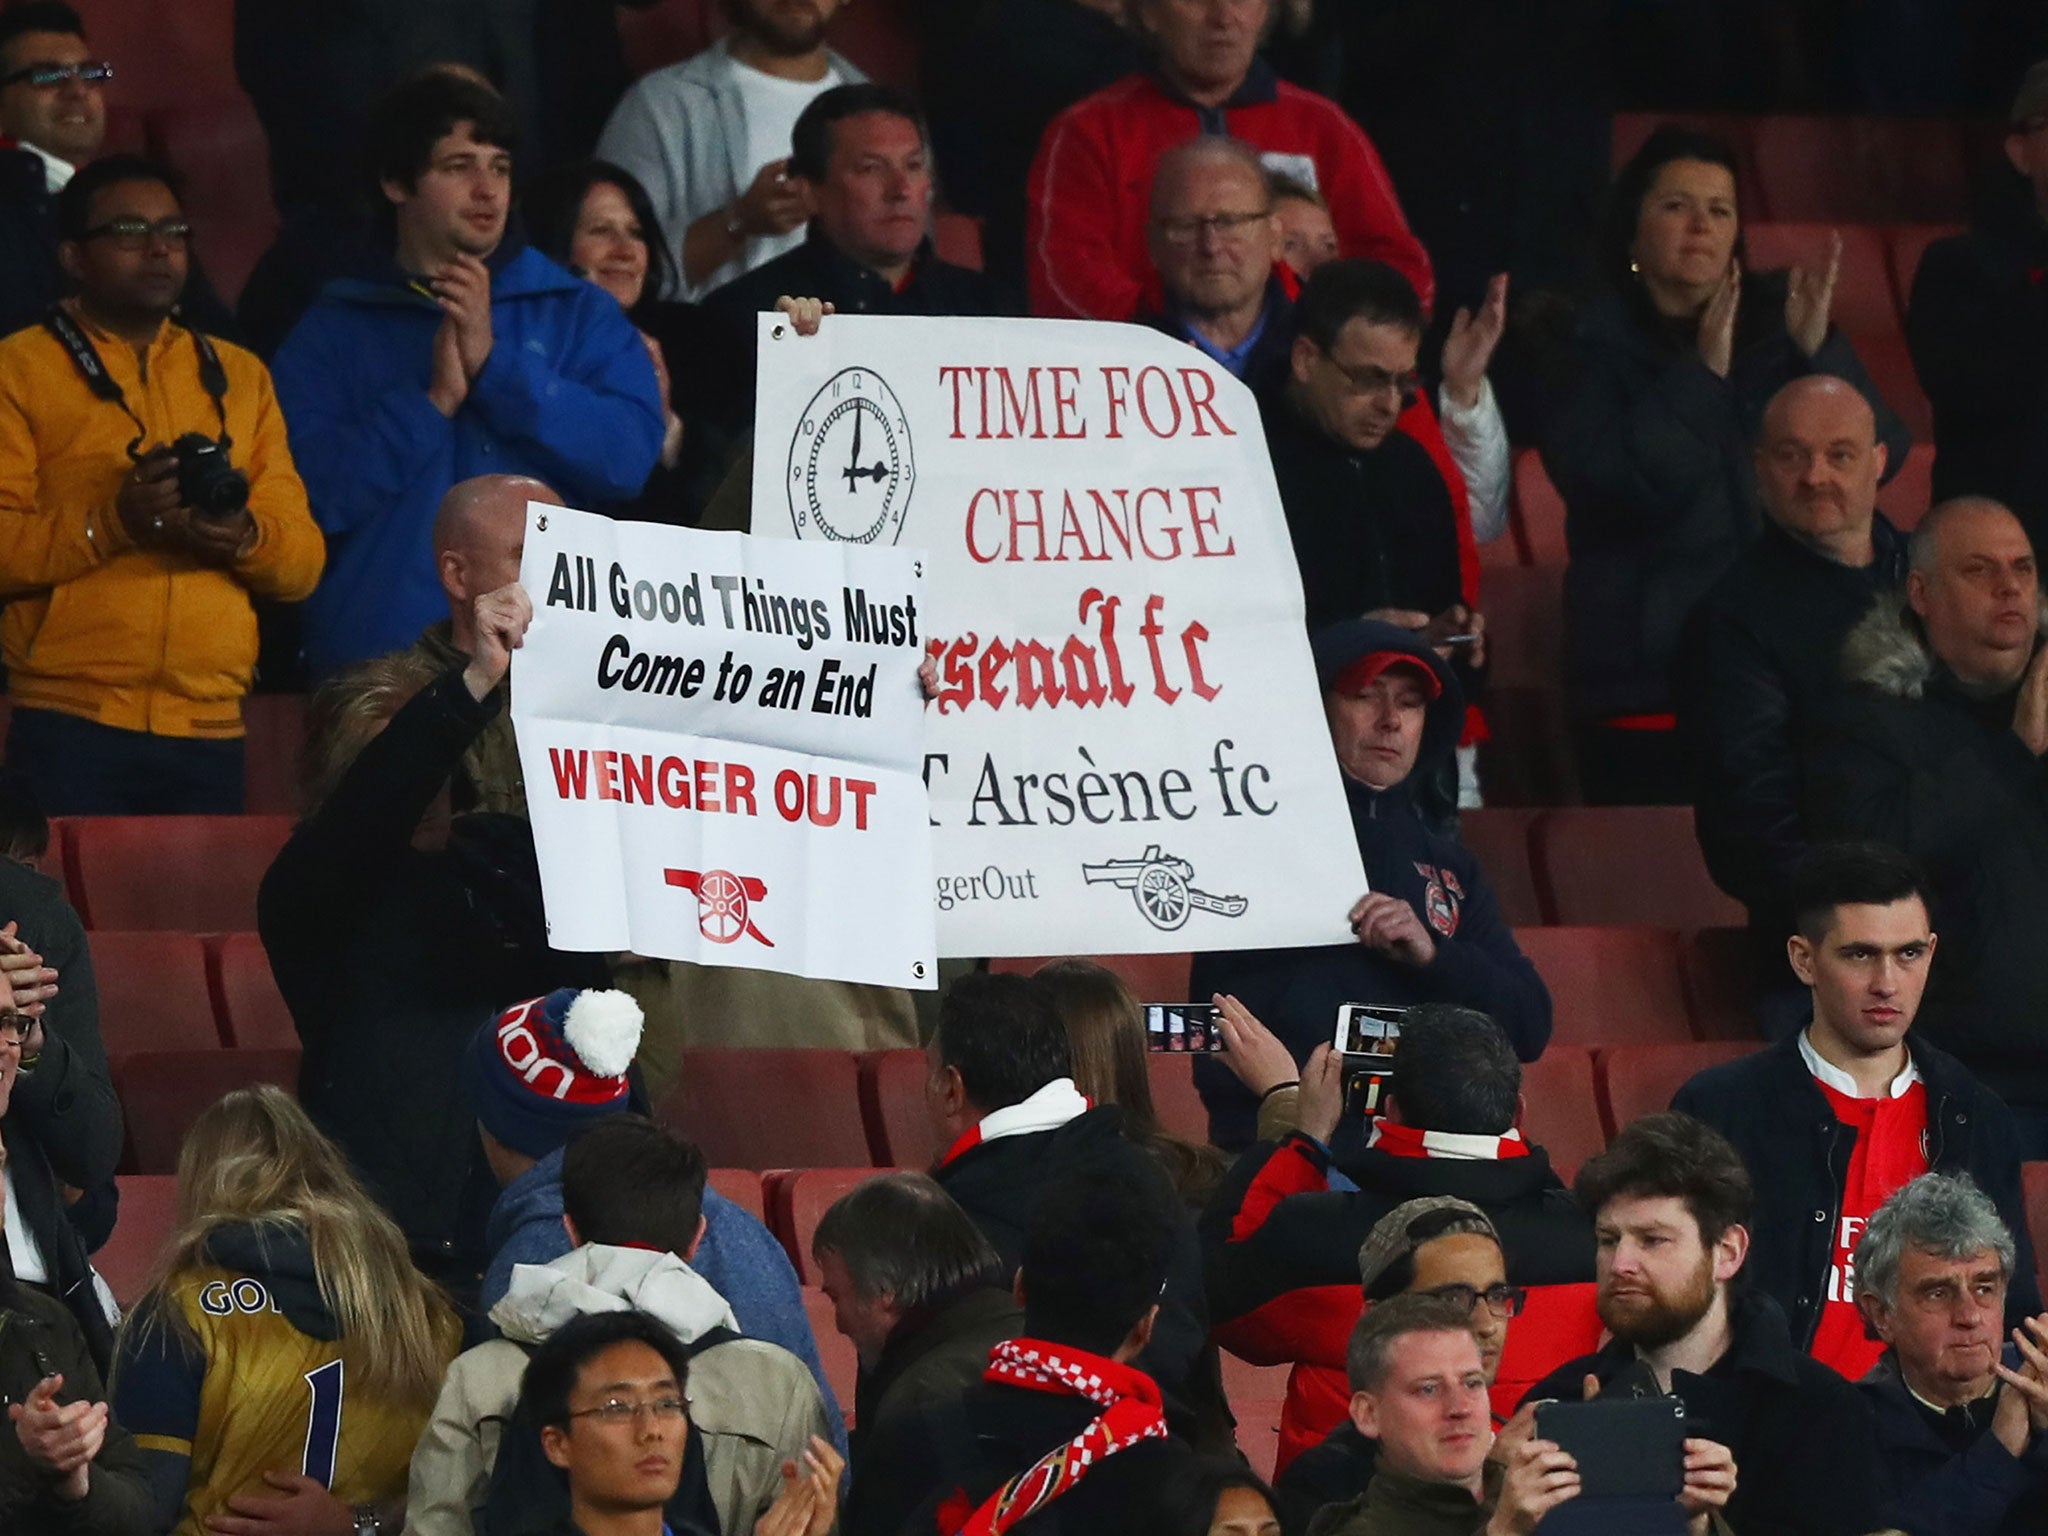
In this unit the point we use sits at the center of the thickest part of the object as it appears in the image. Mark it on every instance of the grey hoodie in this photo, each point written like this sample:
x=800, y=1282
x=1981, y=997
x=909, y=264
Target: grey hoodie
x=753, y=1403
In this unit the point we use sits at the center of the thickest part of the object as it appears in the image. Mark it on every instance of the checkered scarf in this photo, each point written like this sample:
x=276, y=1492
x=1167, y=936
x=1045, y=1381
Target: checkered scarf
x=1131, y=1412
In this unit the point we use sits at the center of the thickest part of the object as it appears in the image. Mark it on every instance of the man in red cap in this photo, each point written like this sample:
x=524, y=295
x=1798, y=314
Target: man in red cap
x=1429, y=930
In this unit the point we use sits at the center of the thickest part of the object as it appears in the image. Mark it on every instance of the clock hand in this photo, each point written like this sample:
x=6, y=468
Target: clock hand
x=853, y=465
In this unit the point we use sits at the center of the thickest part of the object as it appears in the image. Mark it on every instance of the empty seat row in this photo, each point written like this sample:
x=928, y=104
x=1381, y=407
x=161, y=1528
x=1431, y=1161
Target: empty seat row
x=185, y=992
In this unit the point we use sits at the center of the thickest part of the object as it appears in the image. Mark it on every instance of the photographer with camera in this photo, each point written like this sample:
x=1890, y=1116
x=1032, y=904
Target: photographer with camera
x=147, y=493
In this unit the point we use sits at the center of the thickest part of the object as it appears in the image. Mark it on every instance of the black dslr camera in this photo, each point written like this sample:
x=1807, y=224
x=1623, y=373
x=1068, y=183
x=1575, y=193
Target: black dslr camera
x=207, y=482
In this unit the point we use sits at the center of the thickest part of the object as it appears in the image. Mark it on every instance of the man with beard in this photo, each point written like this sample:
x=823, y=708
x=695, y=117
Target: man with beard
x=456, y=353
x=709, y=138
x=1763, y=651
x=1670, y=1200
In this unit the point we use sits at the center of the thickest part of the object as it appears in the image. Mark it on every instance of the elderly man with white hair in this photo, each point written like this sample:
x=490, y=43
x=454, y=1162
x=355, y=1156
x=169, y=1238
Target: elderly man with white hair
x=1962, y=1416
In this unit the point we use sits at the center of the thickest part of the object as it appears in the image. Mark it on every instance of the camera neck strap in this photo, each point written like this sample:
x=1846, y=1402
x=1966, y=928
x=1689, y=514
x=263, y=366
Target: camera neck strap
x=213, y=378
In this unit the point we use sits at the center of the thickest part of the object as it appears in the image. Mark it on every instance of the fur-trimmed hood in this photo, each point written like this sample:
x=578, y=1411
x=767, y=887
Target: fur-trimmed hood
x=1888, y=649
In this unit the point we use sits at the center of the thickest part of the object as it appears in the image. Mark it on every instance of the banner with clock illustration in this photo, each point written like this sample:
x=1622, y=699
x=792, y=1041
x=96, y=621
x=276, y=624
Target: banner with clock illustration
x=1127, y=753
x=722, y=739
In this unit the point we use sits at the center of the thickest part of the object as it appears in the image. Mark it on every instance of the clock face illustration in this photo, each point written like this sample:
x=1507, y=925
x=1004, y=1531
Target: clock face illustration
x=850, y=470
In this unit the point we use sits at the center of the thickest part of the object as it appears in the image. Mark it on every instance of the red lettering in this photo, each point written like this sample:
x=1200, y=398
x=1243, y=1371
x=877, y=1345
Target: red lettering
x=993, y=661
x=1115, y=381
x=1172, y=532
x=1191, y=640
x=1037, y=677
x=1205, y=525
x=639, y=778
x=572, y=773
x=820, y=815
x=973, y=506
x=955, y=376
x=862, y=788
x=1152, y=629
x=1066, y=404
x=706, y=775
x=739, y=789
x=675, y=783
x=1145, y=401
x=1022, y=410
x=1201, y=388
x=607, y=775
x=1035, y=522
x=789, y=794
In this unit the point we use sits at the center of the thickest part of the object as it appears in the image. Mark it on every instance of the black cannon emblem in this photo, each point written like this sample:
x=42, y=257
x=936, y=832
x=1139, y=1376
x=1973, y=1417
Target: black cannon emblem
x=1158, y=882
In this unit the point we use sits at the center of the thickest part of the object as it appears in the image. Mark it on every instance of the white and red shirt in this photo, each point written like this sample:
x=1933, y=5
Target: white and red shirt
x=1890, y=1151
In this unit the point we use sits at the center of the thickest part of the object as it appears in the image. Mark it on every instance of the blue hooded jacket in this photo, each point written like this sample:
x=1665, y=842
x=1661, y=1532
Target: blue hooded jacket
x=738, y=1257
x=1296, y=992
x=568, y=396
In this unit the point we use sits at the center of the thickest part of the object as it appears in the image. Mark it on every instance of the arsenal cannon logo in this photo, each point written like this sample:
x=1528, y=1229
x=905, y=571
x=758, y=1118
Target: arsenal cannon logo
x=724, y=903
x=1158, y=882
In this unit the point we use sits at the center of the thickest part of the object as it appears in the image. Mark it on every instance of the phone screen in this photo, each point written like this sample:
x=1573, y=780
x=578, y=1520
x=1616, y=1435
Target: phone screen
x=1182, y=1028
x=1367, y=1029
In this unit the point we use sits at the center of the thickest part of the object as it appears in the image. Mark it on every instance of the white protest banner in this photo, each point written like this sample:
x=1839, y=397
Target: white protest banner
x=1127, y=753
x=721, y=738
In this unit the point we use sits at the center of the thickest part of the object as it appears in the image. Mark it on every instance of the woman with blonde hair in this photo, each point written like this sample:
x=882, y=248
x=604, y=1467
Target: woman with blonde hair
x=1106, y=1031
x=286, y=1354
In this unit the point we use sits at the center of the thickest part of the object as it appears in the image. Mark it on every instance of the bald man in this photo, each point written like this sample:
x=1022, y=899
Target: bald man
x=1762, y=650
x=479, y=535
x=1214, y=240
x=1938, y=749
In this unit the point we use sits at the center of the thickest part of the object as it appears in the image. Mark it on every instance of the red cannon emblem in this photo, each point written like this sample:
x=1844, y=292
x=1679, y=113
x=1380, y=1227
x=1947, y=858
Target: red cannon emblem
x=724, y=902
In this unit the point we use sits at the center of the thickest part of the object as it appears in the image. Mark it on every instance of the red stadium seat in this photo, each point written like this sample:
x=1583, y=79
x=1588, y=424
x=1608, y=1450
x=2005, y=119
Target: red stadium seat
x=149, y=1215
x=187, y=874
x=253, y=1010
x=666, y=32
x=218, y=147
x=1499, y=838
x=1631, y=129
x=1539, y=510
x=835, y=1349
x=1256, y=1394
x=1862, y=168
x=1504, y=550
x=1890, y=363
x=1528, y=758
x=153, y=992
x=1524, y=607
x=881, y=37
x=1638, y=1080
x=163, y=54
x=2034, y=1187
x=1561, y=1107
x=1908, y=243
x=1155, y=978
x=1906, y=496
x=1627, y=864
x=899, y=1121
x=1557, y=1325
x=1174, y=1098
x=878, y=35
x=1721, y=984
x=1864, y=302
x=276, y=723
x=957, y=238
x=742, y=1186
x=1610, y=985
x=801, y=1198
x=717, y=1103
x=163, y=1092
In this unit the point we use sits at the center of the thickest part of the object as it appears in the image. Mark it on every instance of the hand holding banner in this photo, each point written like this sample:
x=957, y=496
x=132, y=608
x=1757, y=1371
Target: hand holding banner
x=721, y=739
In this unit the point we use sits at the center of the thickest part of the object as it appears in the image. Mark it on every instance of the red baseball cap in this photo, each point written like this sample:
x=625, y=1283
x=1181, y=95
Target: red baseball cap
x=1365, y=671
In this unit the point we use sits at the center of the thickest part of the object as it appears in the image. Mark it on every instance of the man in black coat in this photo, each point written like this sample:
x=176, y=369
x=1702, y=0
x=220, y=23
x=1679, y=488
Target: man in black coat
x=1430, y=931
x=1003, y=1097
x=1844, y=1112
x=1670, y=1199
x=391, y=952
x=1937, y=750
x=1367, y=509
x=862, y=153
x=1962, y=1416
x=1065, y=1407
x=922, y=1297
x=1978, y=327
x=1762, y=652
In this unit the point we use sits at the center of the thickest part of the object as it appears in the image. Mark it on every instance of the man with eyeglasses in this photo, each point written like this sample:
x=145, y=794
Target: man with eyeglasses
x=1374, y=528
x=609, y=1396
x=1978, y=327
x=53, y=119
x=147, y=499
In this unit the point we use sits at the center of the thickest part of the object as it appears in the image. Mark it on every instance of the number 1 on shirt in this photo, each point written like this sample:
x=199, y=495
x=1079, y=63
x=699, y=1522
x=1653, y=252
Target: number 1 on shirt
x=323, y=1423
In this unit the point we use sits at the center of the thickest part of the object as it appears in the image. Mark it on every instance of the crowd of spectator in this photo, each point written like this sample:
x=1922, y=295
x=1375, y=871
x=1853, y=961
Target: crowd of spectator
x=467, y=1279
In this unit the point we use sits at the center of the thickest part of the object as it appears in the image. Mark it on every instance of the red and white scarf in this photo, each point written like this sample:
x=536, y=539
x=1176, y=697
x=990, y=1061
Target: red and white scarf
x=1131, y=1413
x=1407, y=1141
x=1046, y=1110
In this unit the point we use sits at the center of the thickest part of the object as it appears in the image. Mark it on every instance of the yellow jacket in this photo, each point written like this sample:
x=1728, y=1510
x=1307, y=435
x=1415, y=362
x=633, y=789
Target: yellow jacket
x=143, y=640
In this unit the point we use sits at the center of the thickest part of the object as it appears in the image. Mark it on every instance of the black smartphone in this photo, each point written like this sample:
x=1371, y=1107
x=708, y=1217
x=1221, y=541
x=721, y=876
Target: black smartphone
x=1182, y=1028
x=1627, y=1448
